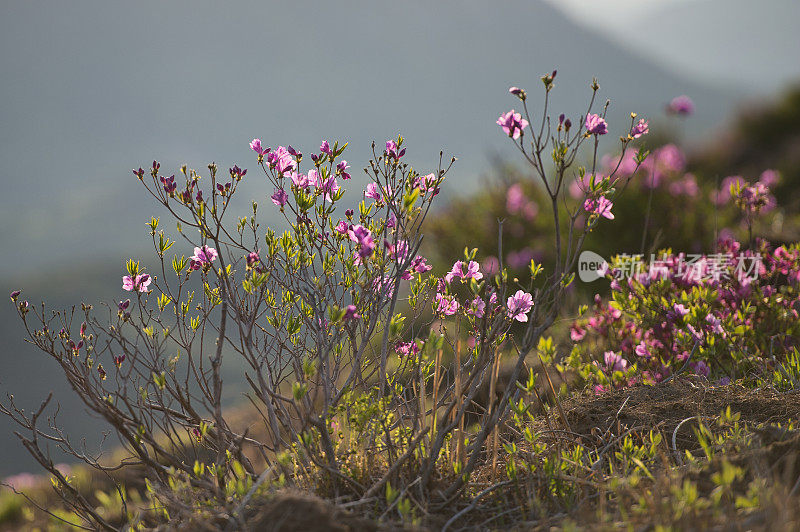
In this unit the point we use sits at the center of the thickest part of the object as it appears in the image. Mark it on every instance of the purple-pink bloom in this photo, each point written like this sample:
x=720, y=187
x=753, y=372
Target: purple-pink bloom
x=300, y=180
x=596, y=124
x=476, y=307
x=342, y=227
x=330, y=186
x=614, y=362
x=372, y=192
x=325, y=147
x=282, y=160
x=640, y=129
x=702, y=369
x=512, y=124
x=459, y=272
x=519, y=305
x=604, y=208
x=342, y=167
x=446, y=305
x=279, y=197
x=203, y=256
x=363, y=236
x=136, y=284
x=419, y=265
x=681, y=105
x=391, y=150
x=255, y=145
x=350, y=313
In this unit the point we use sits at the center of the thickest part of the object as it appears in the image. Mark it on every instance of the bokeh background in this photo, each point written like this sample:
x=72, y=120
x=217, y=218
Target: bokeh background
x=89, y=90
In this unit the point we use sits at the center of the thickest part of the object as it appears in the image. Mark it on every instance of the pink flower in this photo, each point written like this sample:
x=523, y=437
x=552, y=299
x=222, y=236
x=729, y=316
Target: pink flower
x=681, y=105
x=577, y=333
x=680, y=310
x=314, y=179
x=280, y=197
x=342, y=167
x=203, y=256
x=614, y=362
x=601, y=207
x=391, y=150
x=519, y=305
x=325, y=147
x=458, y=271
x=300, y=180
x=702, y=369
x=342, y=227
x=446, y=305
x=476, y=307
x=604, y=208
x=596, y=125
x=136, y=284
x=350, y=313
x=255, y=145
x=363, y=236
x=330, y=186
x=372, y=192
x=641, y=350
x=512, y=124
x=716, y=324
x=407, y=348
x=419, y=265
x=640, y=129
x=282, y=160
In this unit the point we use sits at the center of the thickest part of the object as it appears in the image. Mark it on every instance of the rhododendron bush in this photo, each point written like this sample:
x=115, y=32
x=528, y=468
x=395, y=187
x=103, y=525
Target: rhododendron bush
x=361, y=366
x=726, y=316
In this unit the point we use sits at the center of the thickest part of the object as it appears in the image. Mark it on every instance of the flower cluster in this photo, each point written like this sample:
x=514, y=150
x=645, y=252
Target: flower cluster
x=663, y=321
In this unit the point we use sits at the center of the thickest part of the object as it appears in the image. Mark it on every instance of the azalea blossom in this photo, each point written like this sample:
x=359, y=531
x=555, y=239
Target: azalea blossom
x=519, y=305
x=446, y=305
x=614, y=362
x=325, y=147
x=459, y=272
x=342, y=227
x=300, y=180
x=280, y=197
x=681, y=105
x=203, y=256
x=596, y=124
x=282, y=160
x=640, y=129
x=601, y=207
x=419, y=265
x=350, y=313
x=391, y=150
x=476, y=307
x=372, y=192
x=363, y=236
x=342, y=167
x=255, y=145
x=512, y=124
x=136, y=284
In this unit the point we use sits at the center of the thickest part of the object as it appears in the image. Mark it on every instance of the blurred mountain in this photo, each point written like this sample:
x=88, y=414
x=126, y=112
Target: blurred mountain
x=750, y=45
